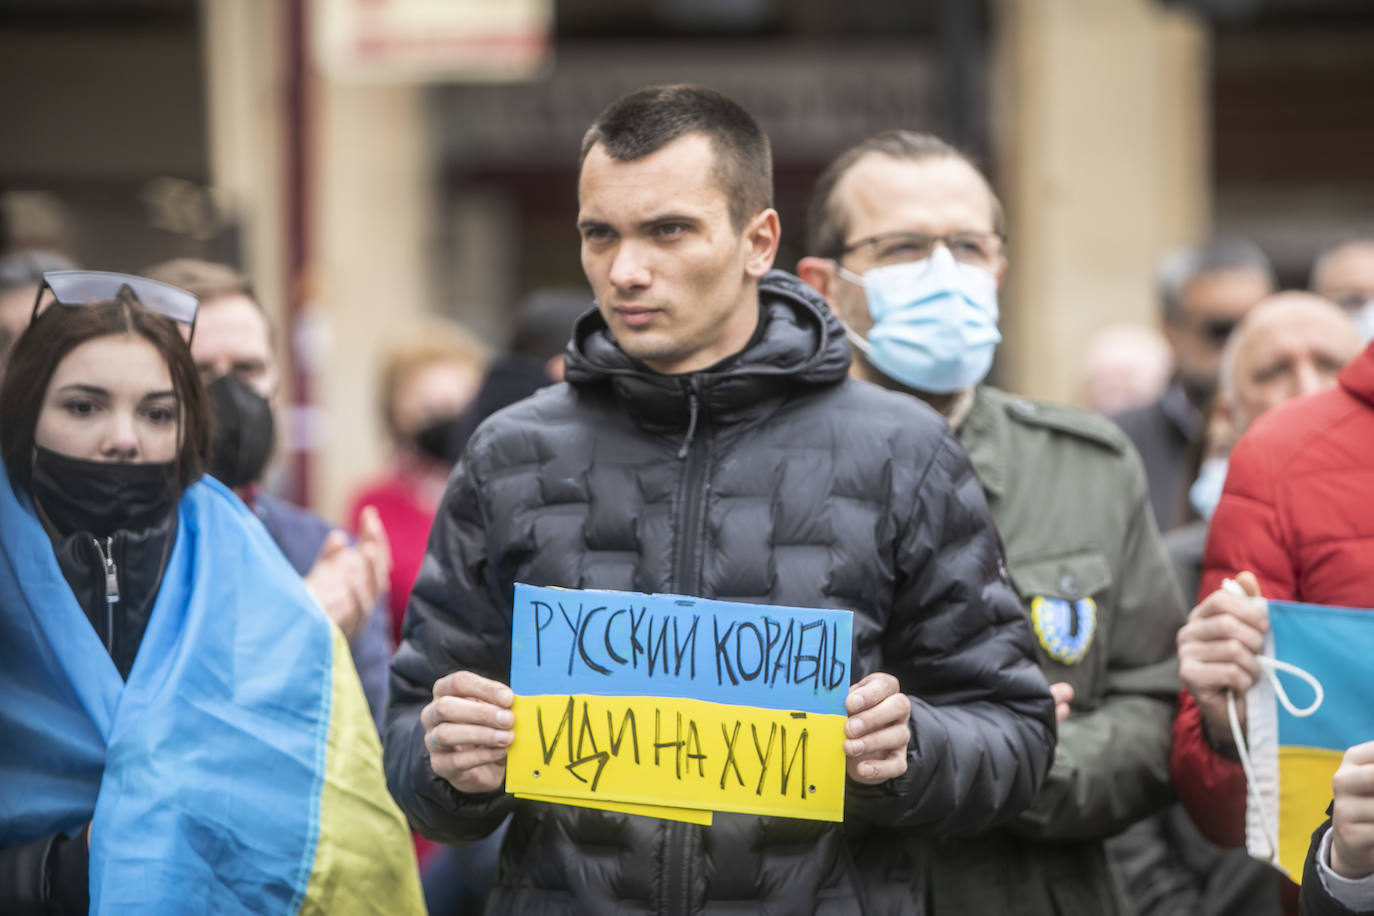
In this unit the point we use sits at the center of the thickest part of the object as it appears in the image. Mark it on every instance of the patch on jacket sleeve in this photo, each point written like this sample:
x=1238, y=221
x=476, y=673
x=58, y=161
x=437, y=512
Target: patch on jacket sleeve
x=1065, y=628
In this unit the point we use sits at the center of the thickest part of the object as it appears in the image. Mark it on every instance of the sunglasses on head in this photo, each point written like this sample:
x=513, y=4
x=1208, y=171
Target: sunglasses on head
x=82, y=287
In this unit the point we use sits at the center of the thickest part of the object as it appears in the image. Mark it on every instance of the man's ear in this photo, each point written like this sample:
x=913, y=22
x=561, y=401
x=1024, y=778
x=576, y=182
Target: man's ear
x=764, y=232
x=818, y=273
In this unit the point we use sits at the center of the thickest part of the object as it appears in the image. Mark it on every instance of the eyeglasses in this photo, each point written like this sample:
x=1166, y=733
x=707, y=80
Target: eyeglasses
x=82, y=287
x=980, y=249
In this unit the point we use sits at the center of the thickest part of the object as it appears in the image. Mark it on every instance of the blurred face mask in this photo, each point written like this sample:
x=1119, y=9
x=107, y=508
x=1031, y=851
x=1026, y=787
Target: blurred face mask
x=244, y=432
x=934, y=322
x=1205, y=492
x=436, y=439
x=1364, y=320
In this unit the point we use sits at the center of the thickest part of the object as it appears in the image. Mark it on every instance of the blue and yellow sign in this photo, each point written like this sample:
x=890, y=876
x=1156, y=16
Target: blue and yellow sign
x=677, y=707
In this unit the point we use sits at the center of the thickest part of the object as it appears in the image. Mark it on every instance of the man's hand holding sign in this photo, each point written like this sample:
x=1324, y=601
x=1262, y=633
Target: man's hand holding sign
x=734, y=752
x=878, y=729
x=468, y=730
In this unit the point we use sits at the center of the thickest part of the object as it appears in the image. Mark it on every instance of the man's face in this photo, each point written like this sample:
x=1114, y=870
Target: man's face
x=231, y=338
x=1347, y=276
x=16, y=307
x=882, y=195
x=1294, y=344
x=432, y=392
x=1211, y=306
x=674, y=280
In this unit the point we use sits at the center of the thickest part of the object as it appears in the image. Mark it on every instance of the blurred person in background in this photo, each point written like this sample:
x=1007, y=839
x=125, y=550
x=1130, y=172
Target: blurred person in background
x=1345, y=275
x=1291, y=344
x=534, y=359
x=428, y=379
x=1292, y=525
x=1125, y=366
x=906, y=245
x=234, y=354
x=1204, y=292
x=21, y=273
x=174, y=702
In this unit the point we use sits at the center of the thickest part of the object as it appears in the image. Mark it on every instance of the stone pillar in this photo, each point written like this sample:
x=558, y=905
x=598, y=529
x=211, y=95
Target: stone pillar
x=242, y=40
x=1100, y=130
x=370, y=228
x=374, y=218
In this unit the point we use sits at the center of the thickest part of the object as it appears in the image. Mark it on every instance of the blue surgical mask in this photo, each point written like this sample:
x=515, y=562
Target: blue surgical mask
x=934, y=322
x=1364, y=320
x=1205, y=492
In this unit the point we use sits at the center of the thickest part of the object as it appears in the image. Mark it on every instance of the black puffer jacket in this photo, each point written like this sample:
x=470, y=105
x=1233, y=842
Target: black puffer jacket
x=771, y=478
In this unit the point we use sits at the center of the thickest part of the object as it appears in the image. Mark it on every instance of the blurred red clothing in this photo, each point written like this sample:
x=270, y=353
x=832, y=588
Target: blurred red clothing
x=407, y=518
x=1296, y=513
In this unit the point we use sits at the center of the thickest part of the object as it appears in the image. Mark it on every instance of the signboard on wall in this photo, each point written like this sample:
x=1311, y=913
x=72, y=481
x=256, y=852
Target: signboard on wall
x=431, y=40
x=813, y=100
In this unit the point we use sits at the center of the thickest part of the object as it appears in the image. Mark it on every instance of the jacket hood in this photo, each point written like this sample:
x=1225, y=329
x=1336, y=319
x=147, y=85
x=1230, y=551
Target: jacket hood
x=800, y=343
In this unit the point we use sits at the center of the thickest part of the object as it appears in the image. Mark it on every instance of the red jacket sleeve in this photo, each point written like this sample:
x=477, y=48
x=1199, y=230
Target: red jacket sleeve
x=1246, y=533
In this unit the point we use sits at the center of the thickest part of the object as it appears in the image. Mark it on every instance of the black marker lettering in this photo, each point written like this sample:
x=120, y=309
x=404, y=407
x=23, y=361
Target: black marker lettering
x=619, y=659
x=787, y=765
x=721, y=653
x=538, y=629
x=582, y=643
x=739, y=651
x=730, y=739
x=545, y=746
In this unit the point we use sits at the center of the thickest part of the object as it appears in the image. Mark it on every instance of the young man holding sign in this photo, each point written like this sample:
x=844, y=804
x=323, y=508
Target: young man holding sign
x=708, y=443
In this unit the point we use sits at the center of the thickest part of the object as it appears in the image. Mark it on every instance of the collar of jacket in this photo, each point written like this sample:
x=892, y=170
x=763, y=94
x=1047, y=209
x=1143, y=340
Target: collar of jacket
x=140, y=559
x=800, y=343
x=1358, y=376
x=984, y=434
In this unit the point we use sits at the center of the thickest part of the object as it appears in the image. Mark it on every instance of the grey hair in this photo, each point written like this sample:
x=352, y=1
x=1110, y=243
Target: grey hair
x=1183, y=265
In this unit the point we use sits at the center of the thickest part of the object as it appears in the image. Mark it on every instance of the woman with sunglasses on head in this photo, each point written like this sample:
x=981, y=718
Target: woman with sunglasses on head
x=174, y=725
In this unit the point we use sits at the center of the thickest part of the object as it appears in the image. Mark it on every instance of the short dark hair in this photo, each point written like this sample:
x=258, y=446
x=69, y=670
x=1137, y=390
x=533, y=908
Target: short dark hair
x=649, y=119
x=827, y=224
x=1184, y=265
x=57, y=331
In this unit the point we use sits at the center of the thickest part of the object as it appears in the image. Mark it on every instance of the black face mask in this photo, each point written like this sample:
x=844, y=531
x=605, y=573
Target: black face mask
x=243, y=432
x=102, y=497
x=435, y=440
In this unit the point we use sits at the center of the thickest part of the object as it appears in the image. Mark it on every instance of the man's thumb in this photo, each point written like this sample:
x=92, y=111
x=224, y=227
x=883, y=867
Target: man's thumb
x=1247, y=581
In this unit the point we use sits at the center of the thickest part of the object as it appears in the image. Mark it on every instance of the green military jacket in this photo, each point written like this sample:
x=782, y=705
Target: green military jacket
x=1068, y=494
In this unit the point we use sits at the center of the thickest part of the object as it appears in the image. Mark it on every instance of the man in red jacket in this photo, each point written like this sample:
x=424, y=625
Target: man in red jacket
x=1293, y=523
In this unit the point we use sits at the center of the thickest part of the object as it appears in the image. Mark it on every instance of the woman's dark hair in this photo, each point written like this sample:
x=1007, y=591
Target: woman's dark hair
x=57, y=331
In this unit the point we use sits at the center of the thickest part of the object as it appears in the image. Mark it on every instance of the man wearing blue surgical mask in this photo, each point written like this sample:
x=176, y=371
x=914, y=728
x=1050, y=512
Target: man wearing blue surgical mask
x=907, y=244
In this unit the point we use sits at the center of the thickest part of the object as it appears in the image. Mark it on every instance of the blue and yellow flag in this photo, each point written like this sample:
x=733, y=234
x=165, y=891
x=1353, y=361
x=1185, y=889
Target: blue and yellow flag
x=1312, y=705
x=237, y=771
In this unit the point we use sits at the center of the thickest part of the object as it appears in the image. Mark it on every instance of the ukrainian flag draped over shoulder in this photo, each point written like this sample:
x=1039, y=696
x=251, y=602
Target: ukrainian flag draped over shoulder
x=237, y=771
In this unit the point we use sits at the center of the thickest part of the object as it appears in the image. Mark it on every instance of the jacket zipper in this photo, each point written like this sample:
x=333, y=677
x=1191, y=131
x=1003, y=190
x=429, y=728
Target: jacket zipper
x=111, y=588
x=676, y=864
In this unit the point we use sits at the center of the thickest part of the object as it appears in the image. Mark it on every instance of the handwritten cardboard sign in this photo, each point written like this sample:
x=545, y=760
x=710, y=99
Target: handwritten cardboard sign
x=677, y=707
